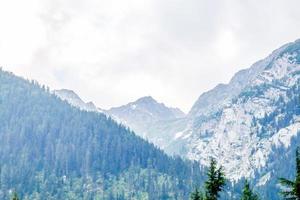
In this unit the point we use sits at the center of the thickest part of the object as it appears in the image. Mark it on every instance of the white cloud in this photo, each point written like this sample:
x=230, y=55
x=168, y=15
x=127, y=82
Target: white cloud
x=112, y=52
x=226, y=45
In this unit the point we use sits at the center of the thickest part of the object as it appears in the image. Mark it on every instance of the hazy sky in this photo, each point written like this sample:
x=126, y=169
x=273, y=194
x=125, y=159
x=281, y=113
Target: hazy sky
x=115, y=51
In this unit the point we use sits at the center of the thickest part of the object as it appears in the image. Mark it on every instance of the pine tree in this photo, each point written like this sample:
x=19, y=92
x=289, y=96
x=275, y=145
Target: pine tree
x=197, y=195
x=15, y=196
x=292, y=191
x=216, y=181
x=248, y=194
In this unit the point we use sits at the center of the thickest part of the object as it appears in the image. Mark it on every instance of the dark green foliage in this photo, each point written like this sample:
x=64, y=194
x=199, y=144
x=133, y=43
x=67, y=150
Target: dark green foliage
x=15, y=196
x=292, y=188
x=51, y=150
x=215, y=181
x=197, y=195
x=248, y=194
x=214, y=184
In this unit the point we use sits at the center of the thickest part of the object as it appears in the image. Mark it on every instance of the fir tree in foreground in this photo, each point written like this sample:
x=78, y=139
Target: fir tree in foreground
x=248, y=194
x=215, y=182
x=292, y=188
x=213, y=185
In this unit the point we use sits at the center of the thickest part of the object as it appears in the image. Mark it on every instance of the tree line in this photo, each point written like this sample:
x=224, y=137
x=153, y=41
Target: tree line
x=216, y=181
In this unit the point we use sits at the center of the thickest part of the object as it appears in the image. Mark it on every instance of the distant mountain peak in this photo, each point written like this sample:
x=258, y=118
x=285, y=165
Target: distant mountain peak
x=143, y=114
x=149, y=105
x=72, y=98
x=66, y=93
x=146, y=99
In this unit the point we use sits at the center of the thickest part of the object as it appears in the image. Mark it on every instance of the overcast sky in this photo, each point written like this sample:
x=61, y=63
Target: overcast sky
x=112, y=52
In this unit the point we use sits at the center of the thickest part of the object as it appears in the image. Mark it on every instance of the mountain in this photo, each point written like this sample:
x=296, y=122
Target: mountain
x=52, y=150
x=241, y=123
x=72, y=98
x=144, y=112
x=146, y=117
x=143, y=115
x=222, y=94
x=252, y=124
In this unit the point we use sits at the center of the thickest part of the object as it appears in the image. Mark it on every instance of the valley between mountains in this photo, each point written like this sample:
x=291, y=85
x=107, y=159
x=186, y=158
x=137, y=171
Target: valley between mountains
x=243, y=124
x=56, y=146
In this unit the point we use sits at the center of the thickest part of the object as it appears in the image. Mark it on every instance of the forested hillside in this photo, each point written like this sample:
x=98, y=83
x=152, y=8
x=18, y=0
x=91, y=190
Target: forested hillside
x=51, y=150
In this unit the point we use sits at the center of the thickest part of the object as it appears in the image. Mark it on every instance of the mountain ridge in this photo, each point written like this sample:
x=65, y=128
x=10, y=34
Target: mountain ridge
x=233, y=116
x=229, y=121
x=237, y=82
x=50, y=149
x=141, y=115
x=71, y=97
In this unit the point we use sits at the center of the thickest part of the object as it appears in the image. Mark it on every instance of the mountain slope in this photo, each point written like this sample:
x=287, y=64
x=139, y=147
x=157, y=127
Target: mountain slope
x=51, y=150
x=144, y=115
x=222, y=94
x=144, y=111
x=243, y=123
